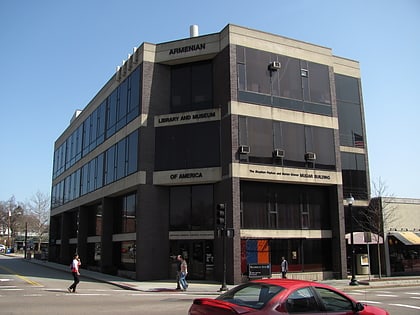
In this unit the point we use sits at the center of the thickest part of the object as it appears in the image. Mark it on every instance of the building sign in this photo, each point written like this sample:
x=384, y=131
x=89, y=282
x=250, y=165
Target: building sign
x=188, y=48
x=187, y=117
x=259, y=271
x=191, y=235
x=186, y=177
x=285, y=174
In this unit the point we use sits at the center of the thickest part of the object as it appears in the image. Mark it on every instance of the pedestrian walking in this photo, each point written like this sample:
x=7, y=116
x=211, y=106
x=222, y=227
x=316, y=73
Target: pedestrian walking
x=183, y=274
x=178, y=271
x=75, y=264
x=284, y=267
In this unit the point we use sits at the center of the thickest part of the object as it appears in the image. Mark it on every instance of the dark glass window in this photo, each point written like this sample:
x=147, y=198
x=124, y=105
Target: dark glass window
x=128, y=214
x=290, y=85
x=191, y=87
x=187, y=146
x=303, y=255
x=99, y=172
x=260, y=139
x=111, y=113
x=354, y=175
x=110, y=165
x=281, y=206
x=191, y=208
x=92, y=175
x=263, y=136
x=302, y=301
x=349, y=111
x=297, y=85
x=319, y=83
x=132, y=152
x=84, y=186
x=341, y=303
x=122, y=105
x=257, y=74
x=180, y=208
x=134, y=93
x=120, y=159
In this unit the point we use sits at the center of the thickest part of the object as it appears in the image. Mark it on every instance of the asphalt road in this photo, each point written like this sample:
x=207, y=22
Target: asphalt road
x=27, y=288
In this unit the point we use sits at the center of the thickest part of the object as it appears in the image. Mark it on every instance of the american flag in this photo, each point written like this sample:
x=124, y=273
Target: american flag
x=358, y=141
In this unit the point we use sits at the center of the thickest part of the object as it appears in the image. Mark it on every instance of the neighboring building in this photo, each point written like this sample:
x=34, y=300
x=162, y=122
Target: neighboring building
x=269, y=126
x=402, y=235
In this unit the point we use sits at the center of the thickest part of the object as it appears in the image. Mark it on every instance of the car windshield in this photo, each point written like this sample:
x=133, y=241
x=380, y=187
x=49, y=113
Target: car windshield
x=254, y=295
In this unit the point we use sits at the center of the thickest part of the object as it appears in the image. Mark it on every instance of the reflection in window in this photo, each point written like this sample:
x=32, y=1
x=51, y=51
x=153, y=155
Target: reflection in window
x=128, y=222
x=354, y=175
x=251, y=295
x=120, y=107
x=333, y=301
x=349, y=111
x=302, y=301
x=101, y=170
x=128, y=255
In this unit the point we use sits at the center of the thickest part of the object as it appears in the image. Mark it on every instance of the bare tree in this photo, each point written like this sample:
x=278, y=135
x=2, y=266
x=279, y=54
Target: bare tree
x=10, y=215
x=379, y=211
x=38, y=219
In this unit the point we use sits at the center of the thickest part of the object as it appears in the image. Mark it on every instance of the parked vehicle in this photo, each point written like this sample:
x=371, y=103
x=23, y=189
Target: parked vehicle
x=2, y=248
x=282, y=296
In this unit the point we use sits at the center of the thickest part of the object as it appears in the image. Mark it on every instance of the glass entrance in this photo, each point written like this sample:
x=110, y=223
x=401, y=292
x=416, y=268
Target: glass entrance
x=199, y=256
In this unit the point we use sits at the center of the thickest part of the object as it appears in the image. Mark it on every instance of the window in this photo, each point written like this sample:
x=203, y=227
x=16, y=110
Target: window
x=302, y=301
x=263, y=136
x=251, y=295
x=349, y=111
x=191, y=208
x=128, y=222
x=297, y=85
x=354, y=175
x=334, y=302
x=187, y=146
x=191, y=87
x=284, y=206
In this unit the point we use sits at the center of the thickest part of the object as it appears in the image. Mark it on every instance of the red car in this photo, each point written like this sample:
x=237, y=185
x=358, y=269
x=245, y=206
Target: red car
x=282, y=296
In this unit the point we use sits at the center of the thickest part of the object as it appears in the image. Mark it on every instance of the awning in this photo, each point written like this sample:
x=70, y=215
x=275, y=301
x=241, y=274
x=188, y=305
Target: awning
x=362, y=238
x=407, y=238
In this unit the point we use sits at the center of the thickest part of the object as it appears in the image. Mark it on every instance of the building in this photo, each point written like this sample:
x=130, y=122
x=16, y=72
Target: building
x=402, y=235
x=269, y=127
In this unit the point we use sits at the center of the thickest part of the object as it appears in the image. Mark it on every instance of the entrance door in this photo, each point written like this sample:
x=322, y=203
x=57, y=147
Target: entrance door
x=199, y=256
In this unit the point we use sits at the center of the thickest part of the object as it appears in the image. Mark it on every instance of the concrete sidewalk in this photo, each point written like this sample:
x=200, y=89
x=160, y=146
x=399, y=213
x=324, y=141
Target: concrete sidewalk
x=213, y=288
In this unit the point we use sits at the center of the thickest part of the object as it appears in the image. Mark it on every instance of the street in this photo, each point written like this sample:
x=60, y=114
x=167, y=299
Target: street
x=27, y=288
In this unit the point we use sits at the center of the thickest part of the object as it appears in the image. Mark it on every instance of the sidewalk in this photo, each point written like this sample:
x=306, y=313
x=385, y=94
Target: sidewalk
x=213, y=288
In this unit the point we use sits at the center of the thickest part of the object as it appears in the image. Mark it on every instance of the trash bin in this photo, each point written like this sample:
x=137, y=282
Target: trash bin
x=362, y=264
x=8, y=251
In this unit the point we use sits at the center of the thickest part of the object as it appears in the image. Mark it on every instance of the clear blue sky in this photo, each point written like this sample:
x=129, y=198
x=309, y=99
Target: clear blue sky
x=55, y=56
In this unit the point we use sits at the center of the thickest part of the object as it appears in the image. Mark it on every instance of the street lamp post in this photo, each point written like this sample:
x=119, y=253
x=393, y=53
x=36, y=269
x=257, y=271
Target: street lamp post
x=353, y=280
x=8, y=231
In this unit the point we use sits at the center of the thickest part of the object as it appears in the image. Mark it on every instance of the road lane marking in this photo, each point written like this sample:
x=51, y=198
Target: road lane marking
x=408, y=306
x=21, y=277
